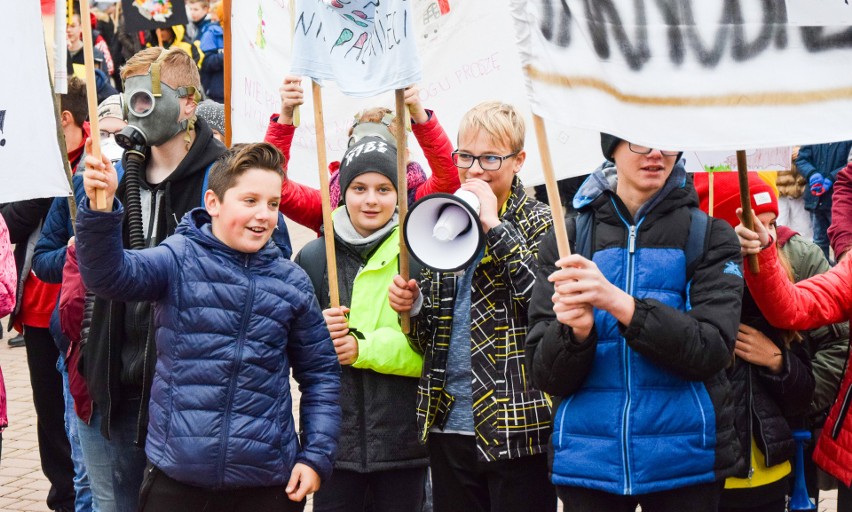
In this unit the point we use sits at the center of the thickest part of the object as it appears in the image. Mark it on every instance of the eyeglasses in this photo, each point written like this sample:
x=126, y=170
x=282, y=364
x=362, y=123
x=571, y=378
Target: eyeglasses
x=486, y=162
x=105, y=134
x=644, y=150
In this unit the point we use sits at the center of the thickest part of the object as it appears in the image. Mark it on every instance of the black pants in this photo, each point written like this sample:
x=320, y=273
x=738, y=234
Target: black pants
x=398, y=490
x=160, y=493
x=844, y=498
x=695, y=498
x=462, y=483
x=53, y=446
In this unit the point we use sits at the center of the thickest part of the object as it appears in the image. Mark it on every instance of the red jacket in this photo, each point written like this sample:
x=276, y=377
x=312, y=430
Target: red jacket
x=840, y=231
x=303, y=204
x=821, y=300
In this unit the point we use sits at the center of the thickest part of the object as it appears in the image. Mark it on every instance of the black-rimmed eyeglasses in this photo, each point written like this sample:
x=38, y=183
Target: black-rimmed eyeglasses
x=644, y=150
x=464, y=160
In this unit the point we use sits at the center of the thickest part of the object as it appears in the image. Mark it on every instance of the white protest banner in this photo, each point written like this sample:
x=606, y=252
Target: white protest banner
x=819, y=12
x=468, y=56
x=30, y=161
x=366, y=47
x=761, y=159
x=690, y=74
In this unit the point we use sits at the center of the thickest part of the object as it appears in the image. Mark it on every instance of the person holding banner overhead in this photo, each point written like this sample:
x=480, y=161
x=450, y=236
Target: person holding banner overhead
x=302, y=203
x=487, y=427
x=166, y=163
x=379, y=454
x=632, y=334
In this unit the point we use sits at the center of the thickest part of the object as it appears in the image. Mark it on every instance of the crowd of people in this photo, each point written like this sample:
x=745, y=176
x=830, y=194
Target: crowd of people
x=648, y=368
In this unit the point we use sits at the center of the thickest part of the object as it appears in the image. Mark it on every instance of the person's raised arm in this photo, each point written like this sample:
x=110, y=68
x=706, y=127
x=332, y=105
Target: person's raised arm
x=436, y=145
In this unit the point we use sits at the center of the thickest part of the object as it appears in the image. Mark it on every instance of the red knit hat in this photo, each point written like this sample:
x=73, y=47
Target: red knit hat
x=726, y=197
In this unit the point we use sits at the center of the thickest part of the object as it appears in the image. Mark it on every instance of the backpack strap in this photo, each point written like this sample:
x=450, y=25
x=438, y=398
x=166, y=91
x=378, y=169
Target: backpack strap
x=696, y=243
x=583, y=227
x=312, y=260
x=204, y=184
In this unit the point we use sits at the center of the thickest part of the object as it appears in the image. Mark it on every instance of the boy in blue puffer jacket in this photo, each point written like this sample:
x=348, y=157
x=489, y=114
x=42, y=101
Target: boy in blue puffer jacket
x=232, y=315
x=633, y=333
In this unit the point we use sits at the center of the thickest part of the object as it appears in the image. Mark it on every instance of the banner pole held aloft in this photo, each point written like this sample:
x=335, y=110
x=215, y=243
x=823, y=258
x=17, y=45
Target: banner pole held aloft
x=745, y=200
x=402, y=196
x=328, y=226
x=91, y=93
x=552, y=189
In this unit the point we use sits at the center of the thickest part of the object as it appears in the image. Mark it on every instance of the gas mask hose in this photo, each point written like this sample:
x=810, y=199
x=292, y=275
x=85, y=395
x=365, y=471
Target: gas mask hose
x=134, y=162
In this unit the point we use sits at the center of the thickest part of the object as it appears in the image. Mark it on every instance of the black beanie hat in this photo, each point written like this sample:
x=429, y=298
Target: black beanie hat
x=369, y=154
x=610, y=142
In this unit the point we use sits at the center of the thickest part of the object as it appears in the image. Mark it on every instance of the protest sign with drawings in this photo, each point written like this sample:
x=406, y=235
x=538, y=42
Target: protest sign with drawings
x=690, y=74
x=468, y=56
x=30, y=159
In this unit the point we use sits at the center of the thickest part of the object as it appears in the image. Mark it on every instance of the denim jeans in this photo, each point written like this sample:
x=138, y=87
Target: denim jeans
x=821, y=220
x=116, y=466
x=83, y=500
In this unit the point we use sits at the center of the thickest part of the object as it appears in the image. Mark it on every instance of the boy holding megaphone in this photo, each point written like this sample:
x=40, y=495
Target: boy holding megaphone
x=487, y=429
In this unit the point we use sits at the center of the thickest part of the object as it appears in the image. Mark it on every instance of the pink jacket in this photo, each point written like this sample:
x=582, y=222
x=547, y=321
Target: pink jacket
x=8, y=285
x=821, y=300
x=303, y=204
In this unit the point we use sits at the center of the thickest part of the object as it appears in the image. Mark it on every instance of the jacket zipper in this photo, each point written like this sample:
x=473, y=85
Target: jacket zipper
x=232, y=384
x=625, y=416
x=750, y=412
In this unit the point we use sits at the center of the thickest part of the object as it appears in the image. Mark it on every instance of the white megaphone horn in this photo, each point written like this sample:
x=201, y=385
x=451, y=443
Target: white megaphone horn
x=443, y=232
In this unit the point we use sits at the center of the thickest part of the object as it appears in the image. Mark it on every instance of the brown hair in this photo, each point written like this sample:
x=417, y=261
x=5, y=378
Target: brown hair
x=75, y=100
x=205, y=3
x=176, y=69
x=499, y=120
x=239, y=159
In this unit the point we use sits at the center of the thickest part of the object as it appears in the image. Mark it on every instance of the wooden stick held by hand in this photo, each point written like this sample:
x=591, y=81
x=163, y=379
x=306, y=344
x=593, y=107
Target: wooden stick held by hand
x=328, y=226
x=745, y=200
x=552, y=189
x=402, y=195
x=91, y=92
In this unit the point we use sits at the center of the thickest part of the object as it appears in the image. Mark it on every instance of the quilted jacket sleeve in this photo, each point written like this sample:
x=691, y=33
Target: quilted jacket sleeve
x=821, y=300
x=23, y=217
x=317, y=371
x=113, y=273
x=49, y=255
x=793, y=388
x=698, y=344
x=8, y=273
x=558, y=363
x=438, y=149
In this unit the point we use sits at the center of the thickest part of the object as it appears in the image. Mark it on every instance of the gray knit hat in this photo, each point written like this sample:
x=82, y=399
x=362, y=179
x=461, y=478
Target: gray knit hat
x=608, y=145
x=213, y=113
x=369, y=154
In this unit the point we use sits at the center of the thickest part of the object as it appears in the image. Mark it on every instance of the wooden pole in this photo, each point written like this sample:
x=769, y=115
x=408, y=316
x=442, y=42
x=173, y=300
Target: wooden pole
x=745, y=200
x=297, y=117
x=228, y=71
x=402, y=196
x=552, y=189
x=91, y=92
x=331, y=257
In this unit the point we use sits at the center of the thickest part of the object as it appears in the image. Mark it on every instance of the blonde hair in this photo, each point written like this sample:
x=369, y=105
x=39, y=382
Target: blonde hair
x=784, y=262
x=376, y=115
x=176, y=69
x=499, y=120
x=205, y=3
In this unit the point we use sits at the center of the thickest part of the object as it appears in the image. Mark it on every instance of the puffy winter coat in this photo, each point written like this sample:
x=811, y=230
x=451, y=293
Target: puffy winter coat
x=302, y=203
x=645, y=407
x=840, y=231
x=8, y=273
x=229, y=327
x=826, y=159
x=821, y=300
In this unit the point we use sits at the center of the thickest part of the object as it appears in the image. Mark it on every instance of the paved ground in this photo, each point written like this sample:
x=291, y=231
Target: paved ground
x=22, y=484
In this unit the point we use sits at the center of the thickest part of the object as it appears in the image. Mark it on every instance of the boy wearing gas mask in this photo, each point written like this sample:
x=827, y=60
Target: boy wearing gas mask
x=168, y=154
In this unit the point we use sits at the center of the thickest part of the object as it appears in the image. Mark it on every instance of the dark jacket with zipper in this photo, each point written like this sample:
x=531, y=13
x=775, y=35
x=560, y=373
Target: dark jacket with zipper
x=767, y=406
x=117, y=351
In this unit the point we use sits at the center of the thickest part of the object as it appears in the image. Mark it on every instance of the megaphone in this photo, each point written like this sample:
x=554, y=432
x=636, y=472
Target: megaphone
x=443, y=232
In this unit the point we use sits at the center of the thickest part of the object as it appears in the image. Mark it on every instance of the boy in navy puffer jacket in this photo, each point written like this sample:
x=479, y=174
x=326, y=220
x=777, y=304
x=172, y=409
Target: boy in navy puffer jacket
x=231, y=314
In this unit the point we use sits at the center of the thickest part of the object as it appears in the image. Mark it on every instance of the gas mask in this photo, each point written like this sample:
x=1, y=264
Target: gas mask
x=152, y=109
